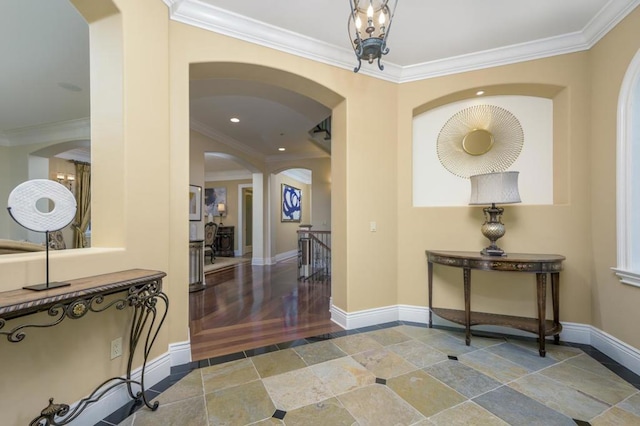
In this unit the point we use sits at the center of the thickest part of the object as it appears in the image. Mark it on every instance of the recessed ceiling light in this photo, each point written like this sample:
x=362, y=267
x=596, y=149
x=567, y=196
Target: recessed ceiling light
x=281, y=149
x=480, y=92
x=234, y=120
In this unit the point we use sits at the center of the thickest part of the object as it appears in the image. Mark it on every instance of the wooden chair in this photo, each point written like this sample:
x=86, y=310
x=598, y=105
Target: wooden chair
x=210, y=233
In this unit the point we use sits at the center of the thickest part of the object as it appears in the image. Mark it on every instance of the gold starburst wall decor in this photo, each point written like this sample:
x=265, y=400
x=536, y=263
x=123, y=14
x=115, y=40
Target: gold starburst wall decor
x=480, y=139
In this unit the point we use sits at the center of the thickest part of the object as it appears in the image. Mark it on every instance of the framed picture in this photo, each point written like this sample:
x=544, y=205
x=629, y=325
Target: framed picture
x=291, y=204
x=195, y=202
x=215, y=201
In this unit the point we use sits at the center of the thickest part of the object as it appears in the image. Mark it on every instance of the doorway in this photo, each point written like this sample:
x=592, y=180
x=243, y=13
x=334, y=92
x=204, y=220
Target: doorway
x=246, y=199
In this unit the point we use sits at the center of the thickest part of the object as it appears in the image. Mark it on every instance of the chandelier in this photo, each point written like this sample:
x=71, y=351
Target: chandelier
x=371, y=43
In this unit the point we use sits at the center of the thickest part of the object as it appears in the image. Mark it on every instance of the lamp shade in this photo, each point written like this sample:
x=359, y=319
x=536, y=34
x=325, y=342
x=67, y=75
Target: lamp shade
x=495, y=188
x=221, y=208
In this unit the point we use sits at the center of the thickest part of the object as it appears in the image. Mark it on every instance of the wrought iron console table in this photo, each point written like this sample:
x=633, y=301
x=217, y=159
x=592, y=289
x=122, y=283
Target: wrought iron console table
x=540, y=264
x=143, y=292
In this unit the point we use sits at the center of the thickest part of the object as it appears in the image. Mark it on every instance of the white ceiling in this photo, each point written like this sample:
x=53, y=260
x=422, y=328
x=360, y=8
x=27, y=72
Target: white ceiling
x=44, y=48
x=45, y=65
x=427, y=38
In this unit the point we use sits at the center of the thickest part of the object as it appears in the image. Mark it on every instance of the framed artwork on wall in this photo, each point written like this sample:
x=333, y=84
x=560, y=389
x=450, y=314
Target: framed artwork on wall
x=291, y=203
x=195, y=202
x=215, y=201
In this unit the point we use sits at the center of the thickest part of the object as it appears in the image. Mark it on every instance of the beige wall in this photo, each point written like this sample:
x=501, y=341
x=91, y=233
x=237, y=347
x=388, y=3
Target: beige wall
x=370, y=273
x=615, y=305
x=285, y=233
x=231, y=219
x=198, y=145
x=561, y=228
x=68, y=361
x=320, y=187
x=59, y=165
x=140, y=76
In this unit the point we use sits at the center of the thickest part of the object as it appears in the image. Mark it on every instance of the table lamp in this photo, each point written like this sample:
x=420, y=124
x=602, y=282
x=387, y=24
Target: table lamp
x=494, y=188
x=221, y=211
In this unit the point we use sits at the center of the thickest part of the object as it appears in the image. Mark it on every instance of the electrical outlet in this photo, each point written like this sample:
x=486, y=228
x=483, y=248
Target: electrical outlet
x=373, y=227
x=116, y=348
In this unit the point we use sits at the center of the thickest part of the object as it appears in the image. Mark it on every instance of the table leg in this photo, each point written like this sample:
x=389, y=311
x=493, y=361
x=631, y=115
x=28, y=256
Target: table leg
x=150, y=307
x=430, y=280
x=541, y=281
x=467, y=305
x=555, y=296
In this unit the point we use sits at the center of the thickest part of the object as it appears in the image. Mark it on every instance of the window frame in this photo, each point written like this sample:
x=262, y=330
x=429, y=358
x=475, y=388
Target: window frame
x=625, y=159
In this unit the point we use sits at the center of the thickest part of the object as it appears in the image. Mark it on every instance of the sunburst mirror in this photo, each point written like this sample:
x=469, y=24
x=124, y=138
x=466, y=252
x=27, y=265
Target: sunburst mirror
x=480, y=139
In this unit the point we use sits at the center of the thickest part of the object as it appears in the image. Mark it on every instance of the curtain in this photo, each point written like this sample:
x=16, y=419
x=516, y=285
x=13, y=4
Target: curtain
x=83, y=199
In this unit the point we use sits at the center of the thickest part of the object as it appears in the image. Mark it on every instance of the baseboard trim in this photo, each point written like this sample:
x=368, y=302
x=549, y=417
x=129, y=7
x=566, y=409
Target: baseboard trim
x=286, y=255
x=263, y=261
x=614, y=348
x=180, y=353
x=156, y=370
x=364, y=318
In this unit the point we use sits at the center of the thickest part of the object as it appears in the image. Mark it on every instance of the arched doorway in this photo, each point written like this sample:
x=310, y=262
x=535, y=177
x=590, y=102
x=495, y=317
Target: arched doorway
x=290, y=91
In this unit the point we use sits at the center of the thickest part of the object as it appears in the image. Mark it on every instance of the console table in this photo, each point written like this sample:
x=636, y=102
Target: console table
x=225, y=241
x=141, y=290
x=540, y=264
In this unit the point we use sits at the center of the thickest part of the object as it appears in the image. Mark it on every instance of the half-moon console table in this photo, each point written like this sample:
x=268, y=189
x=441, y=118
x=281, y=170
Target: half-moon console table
x=141, y=290
x=540, y=264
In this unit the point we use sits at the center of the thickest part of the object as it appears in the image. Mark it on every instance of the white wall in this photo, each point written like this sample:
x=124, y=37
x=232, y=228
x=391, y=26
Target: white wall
x=433, y=185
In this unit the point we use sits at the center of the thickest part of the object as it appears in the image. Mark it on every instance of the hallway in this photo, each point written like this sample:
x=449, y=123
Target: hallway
x=250, y=307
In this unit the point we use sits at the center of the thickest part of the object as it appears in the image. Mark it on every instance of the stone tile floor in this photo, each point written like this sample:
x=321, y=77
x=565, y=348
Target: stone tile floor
x=396, y=374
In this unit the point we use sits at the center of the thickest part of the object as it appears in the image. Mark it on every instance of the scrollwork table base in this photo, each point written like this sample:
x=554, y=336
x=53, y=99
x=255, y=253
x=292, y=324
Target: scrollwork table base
x=539, y=264
x=138, y=289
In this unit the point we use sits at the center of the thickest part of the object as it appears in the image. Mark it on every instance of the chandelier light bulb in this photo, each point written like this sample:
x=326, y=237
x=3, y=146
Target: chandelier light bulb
x=370, y=44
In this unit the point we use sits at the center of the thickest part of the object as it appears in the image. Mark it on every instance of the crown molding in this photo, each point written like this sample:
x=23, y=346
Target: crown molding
x=203, y=15
x=293, y=157
x=300, y=175
x=221, y=21
x=607, y=19
x=83, y=155
x=522, y=52
x=578, y=41
x=228, y=175
x=62, y=131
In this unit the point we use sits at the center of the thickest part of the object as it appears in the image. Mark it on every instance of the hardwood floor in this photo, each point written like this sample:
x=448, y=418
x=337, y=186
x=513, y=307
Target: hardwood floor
x=249, y=307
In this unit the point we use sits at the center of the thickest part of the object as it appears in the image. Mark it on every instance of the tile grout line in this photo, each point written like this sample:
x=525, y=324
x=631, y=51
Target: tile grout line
x=204, y=396
x=200, y=365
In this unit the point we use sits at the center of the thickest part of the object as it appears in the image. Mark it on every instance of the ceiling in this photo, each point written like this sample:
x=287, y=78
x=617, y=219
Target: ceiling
x=427, y=38
x=46, y=65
